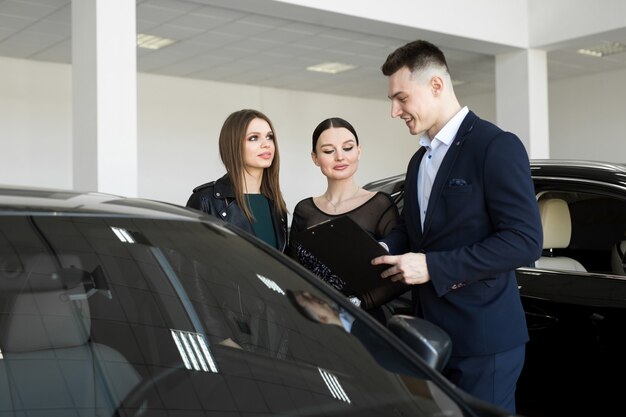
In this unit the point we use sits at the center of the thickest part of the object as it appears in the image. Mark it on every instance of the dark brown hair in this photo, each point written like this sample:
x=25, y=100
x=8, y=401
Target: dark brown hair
x=231, y=143
x=416, y=56
x=332, y=122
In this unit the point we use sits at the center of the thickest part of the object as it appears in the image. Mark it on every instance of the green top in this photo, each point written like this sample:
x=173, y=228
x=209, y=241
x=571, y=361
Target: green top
x=263, y=225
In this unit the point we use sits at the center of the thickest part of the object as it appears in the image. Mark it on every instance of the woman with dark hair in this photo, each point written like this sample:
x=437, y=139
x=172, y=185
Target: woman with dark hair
x=336, y=151
x=249, y=195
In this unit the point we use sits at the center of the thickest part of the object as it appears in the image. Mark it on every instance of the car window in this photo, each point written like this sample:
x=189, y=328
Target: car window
x=102, y=315
x=586, y=230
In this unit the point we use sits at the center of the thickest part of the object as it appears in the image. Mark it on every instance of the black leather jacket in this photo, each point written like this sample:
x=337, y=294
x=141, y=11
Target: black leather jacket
x=218, y=199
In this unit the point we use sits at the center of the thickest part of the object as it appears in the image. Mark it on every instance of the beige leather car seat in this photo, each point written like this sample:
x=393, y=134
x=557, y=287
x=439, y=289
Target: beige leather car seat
x=48, y=361
x=557, y=232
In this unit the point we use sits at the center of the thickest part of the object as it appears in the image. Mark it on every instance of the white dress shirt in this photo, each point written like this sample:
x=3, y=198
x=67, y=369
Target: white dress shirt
x=436, y=150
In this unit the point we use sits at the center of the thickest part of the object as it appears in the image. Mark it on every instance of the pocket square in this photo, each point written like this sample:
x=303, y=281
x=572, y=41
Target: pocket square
x=457, y=182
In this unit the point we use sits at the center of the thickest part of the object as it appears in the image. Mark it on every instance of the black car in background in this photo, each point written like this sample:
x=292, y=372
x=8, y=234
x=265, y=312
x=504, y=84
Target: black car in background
x=114, y=306
x=575, y=294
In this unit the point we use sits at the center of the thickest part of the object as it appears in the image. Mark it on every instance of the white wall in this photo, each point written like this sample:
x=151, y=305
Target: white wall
x=484, y=105
x=178, y=128
x=588, y=117
x=35, y=123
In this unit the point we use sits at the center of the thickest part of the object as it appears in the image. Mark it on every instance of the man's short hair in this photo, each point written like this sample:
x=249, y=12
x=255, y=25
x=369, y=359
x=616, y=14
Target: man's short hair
x=416, y=56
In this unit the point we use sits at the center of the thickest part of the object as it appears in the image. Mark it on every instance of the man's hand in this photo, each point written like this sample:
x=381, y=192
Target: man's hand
x=410, y=268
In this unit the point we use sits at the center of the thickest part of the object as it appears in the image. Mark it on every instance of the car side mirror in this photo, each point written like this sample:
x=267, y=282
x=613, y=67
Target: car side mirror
x=429, y=341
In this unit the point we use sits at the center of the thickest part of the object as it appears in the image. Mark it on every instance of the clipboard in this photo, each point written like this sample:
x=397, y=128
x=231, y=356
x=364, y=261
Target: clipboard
x=347, y=250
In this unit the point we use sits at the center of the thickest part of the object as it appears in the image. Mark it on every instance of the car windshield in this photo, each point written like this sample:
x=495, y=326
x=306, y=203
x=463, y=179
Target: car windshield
x=102, y=315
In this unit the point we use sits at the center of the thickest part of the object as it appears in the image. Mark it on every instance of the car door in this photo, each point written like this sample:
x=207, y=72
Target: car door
x=576, y=318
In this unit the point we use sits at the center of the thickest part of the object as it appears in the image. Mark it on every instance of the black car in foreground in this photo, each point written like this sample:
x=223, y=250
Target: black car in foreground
x=114, y=306
x=575, y=294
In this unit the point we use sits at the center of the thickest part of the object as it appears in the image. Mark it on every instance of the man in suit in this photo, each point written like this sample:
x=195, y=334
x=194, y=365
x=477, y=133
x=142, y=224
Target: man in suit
x=470, y=218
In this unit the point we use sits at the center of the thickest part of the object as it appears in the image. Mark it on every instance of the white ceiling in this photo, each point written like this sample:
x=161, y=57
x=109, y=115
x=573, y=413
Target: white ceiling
x=242, y=41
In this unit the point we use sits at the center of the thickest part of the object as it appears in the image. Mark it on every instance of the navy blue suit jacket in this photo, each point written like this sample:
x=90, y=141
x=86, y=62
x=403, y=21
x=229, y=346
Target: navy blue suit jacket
x=482, y=222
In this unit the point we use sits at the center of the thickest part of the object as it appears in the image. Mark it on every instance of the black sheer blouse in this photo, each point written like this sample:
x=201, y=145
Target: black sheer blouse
x=377, y=216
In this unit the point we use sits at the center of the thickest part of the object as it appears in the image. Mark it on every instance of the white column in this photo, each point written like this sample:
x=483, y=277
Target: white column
x=104, y=81
x=522, y=98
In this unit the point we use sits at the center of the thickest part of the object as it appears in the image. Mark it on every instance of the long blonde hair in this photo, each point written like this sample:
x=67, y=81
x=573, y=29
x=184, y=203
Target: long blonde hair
x=231, y=143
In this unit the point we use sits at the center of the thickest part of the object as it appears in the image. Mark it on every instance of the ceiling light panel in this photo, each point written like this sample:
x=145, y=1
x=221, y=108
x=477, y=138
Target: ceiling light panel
x=602, y=50
x=153, y=42
x=331, y=67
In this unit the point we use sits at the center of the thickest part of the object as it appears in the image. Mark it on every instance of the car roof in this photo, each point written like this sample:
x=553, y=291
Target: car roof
x=607, y=172
x=48, y=201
